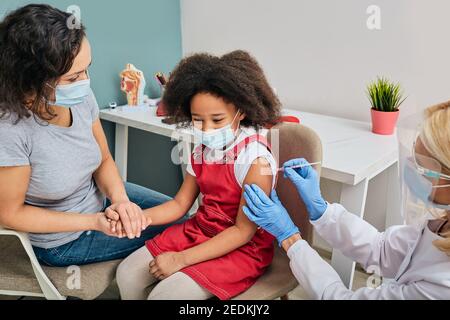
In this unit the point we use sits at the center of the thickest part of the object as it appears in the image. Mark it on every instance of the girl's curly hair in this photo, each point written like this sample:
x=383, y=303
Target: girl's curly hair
x=37, y=47
x=235, y=77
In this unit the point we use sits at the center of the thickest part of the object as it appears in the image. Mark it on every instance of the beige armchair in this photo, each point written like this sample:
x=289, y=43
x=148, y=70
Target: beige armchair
x=295, y=141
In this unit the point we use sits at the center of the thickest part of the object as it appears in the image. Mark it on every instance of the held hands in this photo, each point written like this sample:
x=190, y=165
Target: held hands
x=268, y=213
x=104, y=224
x=124, y=219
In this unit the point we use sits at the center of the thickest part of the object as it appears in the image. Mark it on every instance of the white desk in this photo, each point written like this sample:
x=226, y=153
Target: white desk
x=352, y=156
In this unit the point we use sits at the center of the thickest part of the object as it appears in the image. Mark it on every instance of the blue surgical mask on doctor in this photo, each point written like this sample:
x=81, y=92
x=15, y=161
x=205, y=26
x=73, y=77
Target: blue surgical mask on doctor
x=421, y=185
x=69, y=95
x=422, y=178
x=217, y=138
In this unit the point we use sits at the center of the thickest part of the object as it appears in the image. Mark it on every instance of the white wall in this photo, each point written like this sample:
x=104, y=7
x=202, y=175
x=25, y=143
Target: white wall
x=431, y=69
x=319, y=54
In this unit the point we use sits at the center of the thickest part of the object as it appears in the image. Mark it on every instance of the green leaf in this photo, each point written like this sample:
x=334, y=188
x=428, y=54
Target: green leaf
x=385, y=95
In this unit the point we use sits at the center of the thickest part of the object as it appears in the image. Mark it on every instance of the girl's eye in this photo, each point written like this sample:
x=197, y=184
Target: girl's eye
x=217, y=120
x=197, y=123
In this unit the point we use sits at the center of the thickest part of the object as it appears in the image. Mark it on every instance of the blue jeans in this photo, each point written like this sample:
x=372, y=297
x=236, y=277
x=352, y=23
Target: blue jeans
x=94, y=246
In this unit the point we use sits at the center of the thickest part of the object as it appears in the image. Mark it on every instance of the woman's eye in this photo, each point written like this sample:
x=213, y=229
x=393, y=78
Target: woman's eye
x=217, y=120
x=76, y=78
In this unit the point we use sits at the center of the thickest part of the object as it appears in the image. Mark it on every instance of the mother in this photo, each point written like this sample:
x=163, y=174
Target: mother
x=57, y=175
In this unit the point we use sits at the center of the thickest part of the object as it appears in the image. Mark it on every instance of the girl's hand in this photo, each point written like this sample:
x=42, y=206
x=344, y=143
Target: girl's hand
x=116, y=223
x=132, y=220
x=166, y=264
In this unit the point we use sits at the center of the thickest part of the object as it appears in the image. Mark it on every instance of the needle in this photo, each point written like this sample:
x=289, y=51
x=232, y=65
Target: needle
x=299, y=166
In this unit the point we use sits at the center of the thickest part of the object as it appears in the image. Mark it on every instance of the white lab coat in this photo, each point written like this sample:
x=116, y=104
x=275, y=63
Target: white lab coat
x=403, y=253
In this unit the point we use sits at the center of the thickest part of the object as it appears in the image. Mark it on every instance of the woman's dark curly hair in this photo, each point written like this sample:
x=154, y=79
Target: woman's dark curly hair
x=37, y=47
x=235, y=77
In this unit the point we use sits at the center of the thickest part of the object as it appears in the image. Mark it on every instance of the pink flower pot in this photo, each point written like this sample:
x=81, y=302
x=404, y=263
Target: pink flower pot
x=384, y=122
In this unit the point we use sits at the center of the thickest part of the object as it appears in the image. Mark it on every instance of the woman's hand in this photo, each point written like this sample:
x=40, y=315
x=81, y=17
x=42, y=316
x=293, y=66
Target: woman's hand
x=117, y=225
x=166, y=264
x=130, y=217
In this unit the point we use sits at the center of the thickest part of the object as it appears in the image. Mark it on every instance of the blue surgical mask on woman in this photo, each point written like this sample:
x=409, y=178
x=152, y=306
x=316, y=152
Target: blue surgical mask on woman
x=217, y=138
x=69, y=95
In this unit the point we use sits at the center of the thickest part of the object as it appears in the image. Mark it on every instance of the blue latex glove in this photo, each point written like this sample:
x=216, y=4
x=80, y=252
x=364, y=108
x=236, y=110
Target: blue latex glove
x=268, y=213
x=306, y=181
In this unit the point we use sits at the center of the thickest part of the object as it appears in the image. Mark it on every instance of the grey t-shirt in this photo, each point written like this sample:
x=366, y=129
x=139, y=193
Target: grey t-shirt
x=62, y=162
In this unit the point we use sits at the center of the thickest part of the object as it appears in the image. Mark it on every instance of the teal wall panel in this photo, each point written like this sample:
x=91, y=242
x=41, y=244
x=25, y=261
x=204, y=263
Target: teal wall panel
x=147, y=34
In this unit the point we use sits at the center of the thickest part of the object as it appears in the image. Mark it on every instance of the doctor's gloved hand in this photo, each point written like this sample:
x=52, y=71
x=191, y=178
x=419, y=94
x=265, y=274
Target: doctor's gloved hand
x=268, y=213
x=306, y=181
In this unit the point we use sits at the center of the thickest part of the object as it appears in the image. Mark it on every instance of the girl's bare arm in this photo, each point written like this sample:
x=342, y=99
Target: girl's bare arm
x=239, y=234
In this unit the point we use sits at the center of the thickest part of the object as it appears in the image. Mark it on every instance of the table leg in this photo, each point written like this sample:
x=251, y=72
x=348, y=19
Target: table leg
x=185, y=148
x=121, y=150
x=353, y=198
x=393, y=201
x=393, y=197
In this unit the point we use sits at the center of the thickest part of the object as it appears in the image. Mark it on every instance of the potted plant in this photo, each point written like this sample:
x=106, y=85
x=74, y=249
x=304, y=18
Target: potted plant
x=385, y=98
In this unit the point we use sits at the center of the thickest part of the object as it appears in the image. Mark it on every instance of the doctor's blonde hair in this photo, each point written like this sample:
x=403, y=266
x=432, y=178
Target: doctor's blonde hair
x=435, y=136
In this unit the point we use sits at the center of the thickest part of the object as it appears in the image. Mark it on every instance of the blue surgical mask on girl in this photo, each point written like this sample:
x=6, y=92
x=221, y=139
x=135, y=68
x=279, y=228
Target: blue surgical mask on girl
x=217, y=138
x=69, y=95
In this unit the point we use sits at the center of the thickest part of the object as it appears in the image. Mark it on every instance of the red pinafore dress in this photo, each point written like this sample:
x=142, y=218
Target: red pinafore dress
x=235, y=272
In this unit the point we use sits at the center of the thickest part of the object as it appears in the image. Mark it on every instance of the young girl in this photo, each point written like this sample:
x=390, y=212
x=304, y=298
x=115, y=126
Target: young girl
x=218, y=252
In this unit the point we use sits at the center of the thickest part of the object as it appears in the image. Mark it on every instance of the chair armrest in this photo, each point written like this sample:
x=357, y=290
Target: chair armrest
x=46, y=285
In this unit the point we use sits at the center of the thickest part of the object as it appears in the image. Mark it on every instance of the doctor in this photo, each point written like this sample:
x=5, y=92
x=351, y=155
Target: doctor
x=415, y=255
